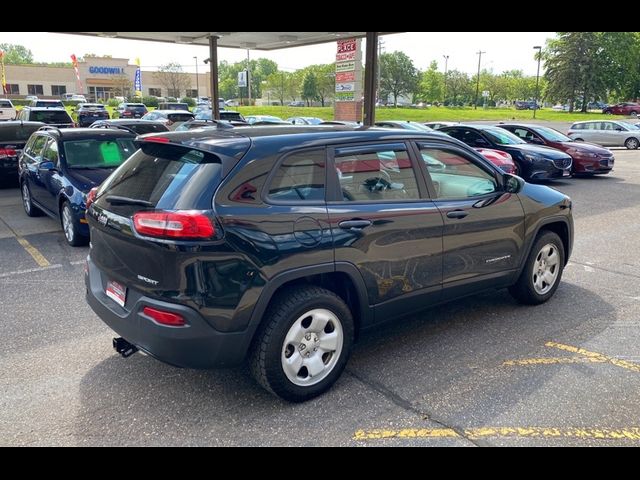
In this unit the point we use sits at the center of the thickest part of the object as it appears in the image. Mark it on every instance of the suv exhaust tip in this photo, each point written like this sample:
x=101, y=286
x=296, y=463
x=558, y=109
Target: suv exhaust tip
x=123, y=347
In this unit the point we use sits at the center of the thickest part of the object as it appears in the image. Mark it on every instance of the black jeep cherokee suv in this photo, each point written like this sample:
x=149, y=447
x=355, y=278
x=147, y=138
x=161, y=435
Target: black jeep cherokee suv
x=279, y=244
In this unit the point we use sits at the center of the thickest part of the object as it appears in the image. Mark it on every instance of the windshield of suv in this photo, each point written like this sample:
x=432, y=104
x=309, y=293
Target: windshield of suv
x=502, y=137
x=50, y=116
x=97, y=153
x=551, y=135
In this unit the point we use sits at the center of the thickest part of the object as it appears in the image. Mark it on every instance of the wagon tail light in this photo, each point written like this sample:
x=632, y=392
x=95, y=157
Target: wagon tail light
x=91, y=196
x=178, y=225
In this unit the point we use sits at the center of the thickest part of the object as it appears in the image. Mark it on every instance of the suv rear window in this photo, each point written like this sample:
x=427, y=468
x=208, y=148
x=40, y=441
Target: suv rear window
x=180, y=117
x=52, y=103
x=51, y=116
x=17, y=132
x=230, y=116
x=159, y=175
x=5, y=104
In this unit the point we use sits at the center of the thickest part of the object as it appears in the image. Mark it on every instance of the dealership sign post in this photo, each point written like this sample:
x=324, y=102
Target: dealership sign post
x=348, y=96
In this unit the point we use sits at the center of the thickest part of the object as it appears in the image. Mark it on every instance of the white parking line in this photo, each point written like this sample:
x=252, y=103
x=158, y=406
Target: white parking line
x=30, y=270
x=39, y=269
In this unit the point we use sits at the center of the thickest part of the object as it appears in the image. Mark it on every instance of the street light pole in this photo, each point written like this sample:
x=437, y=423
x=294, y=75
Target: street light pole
x=446, y=61
x=535, y=105
x=475, y=103
x=197, y=81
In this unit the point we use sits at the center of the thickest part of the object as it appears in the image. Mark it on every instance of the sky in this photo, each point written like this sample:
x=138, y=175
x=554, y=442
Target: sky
x=501, y=50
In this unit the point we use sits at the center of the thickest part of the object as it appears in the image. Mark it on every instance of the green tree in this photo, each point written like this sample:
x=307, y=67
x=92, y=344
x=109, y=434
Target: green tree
x=309, y=87
x=398, y=76
x=459, y=87
x=277, y=84
x=431, y=87
x=326, y=81
x=16, y=54
x=577, y=67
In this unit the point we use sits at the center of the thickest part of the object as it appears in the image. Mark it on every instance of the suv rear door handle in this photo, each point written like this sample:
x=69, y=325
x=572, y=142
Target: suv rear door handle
x=347, y=224
x=457, y=214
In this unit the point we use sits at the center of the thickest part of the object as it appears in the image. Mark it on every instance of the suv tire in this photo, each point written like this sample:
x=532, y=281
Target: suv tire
x=542, y=271
x=70, y=227
x=307, y=332
x=29, y=208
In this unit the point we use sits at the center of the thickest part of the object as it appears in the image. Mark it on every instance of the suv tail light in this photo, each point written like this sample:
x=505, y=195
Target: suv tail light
x=181, y=224
x=91, y=196
x=7, y=152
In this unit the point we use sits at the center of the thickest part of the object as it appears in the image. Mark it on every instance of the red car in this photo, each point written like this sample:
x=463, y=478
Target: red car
x=587, y=157
x=500, y=159
x=624, y=108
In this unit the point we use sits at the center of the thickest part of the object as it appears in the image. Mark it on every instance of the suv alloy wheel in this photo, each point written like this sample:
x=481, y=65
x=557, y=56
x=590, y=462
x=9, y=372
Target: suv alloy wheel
x=304, y=345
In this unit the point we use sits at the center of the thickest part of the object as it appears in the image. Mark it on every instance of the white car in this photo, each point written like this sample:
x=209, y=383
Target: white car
x=7, y=110
x=608, y=133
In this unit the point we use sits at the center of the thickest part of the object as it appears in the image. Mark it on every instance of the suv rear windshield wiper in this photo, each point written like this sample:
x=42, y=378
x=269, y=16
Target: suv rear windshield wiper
x=118, y=200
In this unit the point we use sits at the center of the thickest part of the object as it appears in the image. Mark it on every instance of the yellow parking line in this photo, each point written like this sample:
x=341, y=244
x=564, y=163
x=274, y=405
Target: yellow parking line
x=587, y=356
x=553, y=361
x=599, y=356
x=34, y=252
x=632, y=433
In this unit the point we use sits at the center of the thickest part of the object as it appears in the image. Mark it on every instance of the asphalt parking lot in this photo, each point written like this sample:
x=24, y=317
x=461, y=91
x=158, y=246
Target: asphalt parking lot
x=480, y=371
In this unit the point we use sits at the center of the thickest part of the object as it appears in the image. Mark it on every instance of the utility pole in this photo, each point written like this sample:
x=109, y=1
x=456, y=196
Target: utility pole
x=446, y=62
x=248, y=79
x=535, y=104
x=197, y=81
x=380, y=45
x=475, y=103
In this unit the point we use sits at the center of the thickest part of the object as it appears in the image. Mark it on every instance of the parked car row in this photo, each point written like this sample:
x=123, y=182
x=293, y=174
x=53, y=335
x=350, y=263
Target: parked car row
x=540, y=152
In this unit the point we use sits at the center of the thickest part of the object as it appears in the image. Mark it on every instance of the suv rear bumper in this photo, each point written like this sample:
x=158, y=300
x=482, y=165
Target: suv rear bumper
x=196, y=345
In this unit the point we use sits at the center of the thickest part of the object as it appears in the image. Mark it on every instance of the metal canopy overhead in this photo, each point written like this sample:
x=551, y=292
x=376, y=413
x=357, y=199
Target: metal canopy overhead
x=252, y=40
x=261, y=41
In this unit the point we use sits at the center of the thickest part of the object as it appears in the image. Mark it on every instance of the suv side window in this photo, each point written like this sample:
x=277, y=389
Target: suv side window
x=454, y=176
x=376, y=173
x=51, y=152
x=300, y=176
x=38, y=145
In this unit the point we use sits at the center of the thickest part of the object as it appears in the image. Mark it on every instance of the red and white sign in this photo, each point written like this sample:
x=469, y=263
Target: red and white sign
x=341, y=57
x=348, y=45
x=345, y=77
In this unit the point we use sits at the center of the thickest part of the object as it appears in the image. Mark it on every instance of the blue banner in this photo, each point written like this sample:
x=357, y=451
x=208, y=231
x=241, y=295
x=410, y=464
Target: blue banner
x=137, y=83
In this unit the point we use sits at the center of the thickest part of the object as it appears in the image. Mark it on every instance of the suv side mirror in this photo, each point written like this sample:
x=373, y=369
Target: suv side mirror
x=512, y=183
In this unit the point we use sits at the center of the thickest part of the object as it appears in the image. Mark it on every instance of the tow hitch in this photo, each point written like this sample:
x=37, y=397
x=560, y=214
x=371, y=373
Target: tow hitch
x=123, y=347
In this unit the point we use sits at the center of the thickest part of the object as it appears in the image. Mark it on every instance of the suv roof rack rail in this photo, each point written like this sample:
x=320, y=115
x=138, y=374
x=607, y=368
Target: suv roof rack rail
x=116, y=127
x=50, y=127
